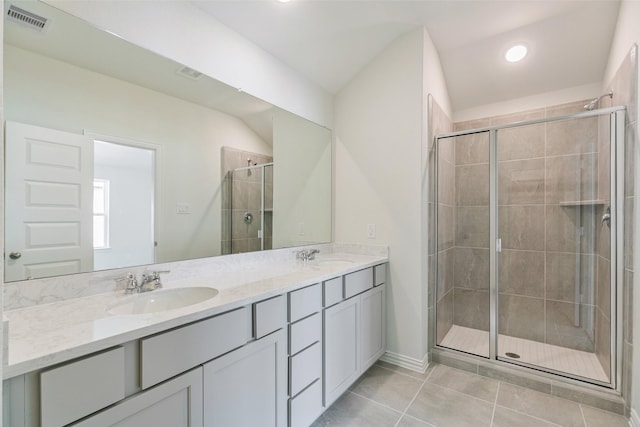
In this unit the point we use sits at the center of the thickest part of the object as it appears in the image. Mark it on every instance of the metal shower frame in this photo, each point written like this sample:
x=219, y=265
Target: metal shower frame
x=262, y=167
x=617, y=139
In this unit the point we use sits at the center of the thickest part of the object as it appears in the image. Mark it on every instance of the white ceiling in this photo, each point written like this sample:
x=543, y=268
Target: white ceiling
x=329, y=41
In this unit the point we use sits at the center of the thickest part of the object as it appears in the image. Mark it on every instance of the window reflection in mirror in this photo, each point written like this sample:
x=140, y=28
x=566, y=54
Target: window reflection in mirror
x=72, y=85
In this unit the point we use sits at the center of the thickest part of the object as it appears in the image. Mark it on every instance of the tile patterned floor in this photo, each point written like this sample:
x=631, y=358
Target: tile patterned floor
x=554, y=357
x=389, y=396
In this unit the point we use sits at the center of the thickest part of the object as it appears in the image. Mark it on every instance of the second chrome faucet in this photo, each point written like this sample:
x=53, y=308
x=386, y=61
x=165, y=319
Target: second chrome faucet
x=307, y=254
x=149, y=282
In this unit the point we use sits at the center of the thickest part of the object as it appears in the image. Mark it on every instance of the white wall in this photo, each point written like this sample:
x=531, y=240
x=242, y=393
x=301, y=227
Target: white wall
x=379, y=123
x=180, y=31
x=628, y=33
x=301, y=182
x=433, y=77
x=53, y=94
x=540, y=100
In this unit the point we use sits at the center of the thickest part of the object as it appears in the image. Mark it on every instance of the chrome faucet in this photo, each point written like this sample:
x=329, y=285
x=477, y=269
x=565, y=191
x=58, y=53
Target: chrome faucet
x=307, y=255
x=149, y=282
x=311, y=254
x=132, y=283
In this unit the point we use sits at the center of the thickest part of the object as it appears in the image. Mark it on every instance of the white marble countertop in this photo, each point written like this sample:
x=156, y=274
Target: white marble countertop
x=47, y=334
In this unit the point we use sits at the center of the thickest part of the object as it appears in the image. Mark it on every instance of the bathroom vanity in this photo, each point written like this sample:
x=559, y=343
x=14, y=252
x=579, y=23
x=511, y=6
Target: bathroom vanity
x=276, y=351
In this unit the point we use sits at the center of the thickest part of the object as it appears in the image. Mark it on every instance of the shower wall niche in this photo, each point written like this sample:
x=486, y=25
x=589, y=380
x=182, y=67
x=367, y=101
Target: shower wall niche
x=247, y=201
x=553, y=269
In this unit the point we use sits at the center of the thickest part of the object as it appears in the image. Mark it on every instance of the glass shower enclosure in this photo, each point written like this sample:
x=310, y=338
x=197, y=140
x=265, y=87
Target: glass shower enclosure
x=249, y=209
x=528, y=218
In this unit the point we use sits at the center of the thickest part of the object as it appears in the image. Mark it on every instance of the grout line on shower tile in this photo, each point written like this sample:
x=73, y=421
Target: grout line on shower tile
x=572, y=154
x=471, y=247
x=520, y=205
x=462, y=165
x=538, y=297
x=524, y=159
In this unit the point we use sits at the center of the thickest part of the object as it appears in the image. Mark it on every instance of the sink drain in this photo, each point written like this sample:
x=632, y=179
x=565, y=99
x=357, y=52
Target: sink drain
x=512, y=355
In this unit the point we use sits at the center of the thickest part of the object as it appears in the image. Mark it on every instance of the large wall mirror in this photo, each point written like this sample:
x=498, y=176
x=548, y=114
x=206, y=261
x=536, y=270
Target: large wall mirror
x=117, y=157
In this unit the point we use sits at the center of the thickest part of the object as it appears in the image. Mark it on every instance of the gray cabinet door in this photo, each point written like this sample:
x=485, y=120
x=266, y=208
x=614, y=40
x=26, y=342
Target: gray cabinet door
x=248, y=387
x=175, y=403
x=373, y=326
x=341, y=358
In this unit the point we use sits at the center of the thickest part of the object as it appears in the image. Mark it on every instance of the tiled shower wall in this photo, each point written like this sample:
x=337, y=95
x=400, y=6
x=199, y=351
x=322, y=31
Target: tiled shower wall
x=241, y=193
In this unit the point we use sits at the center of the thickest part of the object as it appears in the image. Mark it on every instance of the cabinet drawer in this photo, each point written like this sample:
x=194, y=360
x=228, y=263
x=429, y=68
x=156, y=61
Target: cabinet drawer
x=332, y=292
x=170, y=353
x=80, y=388
x=305, y=368
x=379, y=274
x=306, y=407
x=304, y=333
x=304, y=302
x=358, y=282
x=269, y=316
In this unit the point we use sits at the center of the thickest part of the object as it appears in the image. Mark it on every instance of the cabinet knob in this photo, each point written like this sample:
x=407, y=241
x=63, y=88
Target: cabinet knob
x=15, y=255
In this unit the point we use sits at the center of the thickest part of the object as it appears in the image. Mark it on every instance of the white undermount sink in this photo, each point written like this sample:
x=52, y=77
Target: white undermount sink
x=162, y=300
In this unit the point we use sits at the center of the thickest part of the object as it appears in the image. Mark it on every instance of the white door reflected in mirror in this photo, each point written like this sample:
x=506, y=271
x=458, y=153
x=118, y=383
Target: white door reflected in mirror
x=75, y=205
x=48, y=216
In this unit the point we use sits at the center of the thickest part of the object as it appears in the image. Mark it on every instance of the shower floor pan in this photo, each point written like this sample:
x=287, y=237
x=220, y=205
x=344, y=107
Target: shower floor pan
x=574, y=362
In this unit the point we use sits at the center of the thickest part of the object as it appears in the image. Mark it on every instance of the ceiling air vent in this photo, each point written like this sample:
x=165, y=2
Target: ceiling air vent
x=28, y=19
x=189, y=73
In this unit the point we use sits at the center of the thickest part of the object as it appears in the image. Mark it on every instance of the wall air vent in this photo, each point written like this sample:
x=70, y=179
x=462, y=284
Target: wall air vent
x=28, y=19
x=189, y=73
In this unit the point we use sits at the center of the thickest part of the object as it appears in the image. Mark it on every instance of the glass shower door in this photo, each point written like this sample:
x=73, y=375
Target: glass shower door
x=247, y=209
x=462, y=251
x=528, y=219
x=553, y=244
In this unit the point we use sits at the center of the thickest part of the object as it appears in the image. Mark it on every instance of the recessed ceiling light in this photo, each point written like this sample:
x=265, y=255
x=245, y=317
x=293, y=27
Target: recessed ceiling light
x=284, y=1
x=516, y=53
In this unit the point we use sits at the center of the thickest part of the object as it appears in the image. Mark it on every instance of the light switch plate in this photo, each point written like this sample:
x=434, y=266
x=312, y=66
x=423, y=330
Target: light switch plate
x=371, y=231
x=183, y=208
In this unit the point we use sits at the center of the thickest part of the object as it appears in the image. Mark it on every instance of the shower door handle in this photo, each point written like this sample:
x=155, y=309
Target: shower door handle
x=606, y=217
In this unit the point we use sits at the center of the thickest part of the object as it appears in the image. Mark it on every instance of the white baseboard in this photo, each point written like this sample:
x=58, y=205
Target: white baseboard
x=418, y=365
x=634, y=419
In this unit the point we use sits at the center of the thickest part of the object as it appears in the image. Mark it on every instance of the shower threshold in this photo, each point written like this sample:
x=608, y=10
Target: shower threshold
x=553, y=357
